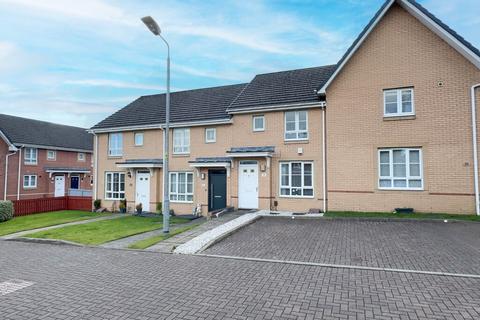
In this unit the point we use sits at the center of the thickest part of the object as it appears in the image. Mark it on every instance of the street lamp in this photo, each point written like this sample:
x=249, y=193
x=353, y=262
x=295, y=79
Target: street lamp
x=155, y=29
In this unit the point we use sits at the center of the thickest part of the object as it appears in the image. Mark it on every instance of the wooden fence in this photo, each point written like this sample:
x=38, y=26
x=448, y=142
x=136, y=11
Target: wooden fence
x=31, y=206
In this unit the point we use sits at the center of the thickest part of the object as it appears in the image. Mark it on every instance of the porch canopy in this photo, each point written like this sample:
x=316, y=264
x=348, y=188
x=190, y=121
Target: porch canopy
x=251, y=152
x=207, y=162
x=140, y=163
x=66, y=170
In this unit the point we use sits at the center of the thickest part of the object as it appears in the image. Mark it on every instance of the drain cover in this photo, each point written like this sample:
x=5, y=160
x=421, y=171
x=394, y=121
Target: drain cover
x=10, y=286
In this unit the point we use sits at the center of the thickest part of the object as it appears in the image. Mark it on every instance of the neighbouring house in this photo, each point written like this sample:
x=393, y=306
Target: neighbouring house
x=389, y=126
x=41, y=159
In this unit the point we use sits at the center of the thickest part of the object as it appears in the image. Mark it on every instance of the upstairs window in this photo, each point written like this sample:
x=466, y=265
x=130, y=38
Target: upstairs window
x=115, y=144
x=210, y=135
x=138, y=137
x=181, y=141
x=30, y=155
x=51, y=155
x=259, y=123
x=296, y=125
x=398, y=102
x=400, y=168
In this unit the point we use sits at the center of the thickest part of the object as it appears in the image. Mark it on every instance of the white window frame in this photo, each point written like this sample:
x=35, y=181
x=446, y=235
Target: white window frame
x=30, y=156
x=399, y=112
x=81, y=156
x=54, y=155
x=214, y=130
x=115, y=144
x=255, y=129
x=173, y=195
x=138, y=134
x=184, y=146
x=28, y=178
x=289, y=186
x=407, y=177
x=115, y=195
x=297, y=131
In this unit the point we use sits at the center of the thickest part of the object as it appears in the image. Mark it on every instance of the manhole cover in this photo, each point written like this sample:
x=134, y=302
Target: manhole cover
x=10, y=286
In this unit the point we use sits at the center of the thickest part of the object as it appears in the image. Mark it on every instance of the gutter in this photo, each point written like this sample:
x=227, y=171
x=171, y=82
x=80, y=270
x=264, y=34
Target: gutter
x=475, y=151
x=6, y=174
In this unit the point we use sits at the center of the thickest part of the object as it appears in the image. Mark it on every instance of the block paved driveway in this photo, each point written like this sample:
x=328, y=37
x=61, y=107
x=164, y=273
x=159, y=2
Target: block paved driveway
x=95, y=283
x=415, y=245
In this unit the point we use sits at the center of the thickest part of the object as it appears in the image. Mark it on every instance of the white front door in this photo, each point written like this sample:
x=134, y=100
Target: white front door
x=59, y=186
x=143, y=190
x=248, y=185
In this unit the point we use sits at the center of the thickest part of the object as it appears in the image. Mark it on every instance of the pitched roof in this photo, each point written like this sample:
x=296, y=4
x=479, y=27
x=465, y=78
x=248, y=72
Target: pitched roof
x=406, y=4
x=251, y=149
x=185, y=106
x=23, y=131
x=281, y=88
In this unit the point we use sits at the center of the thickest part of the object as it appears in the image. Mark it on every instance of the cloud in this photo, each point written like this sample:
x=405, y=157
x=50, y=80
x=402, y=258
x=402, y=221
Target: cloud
x=114, y=84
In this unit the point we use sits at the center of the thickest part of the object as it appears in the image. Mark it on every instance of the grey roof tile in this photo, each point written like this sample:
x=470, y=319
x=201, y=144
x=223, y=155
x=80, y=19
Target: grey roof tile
x=34, y=132
x=285, y=87
x=190, y=105
x=67, y=169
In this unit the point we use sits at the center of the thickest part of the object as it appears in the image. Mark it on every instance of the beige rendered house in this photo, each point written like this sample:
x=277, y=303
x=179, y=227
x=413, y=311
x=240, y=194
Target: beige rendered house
x=389, y=126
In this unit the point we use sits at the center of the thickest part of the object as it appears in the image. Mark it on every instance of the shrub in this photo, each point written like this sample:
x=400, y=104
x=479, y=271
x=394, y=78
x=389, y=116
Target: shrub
x=159, y=208
x=6, y=210
x=97, y=204
x=139, y=208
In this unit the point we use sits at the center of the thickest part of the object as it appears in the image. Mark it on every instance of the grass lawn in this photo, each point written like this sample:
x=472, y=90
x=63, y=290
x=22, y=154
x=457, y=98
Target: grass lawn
x=40, y=220
x=442, y=216
x=99, y=232
x=145, y=243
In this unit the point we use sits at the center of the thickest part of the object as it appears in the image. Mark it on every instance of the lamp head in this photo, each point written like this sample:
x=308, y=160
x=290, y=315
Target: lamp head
x=152, y=25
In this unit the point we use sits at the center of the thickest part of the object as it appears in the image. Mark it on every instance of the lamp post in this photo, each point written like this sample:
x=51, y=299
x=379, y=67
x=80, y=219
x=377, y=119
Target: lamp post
x=155, y=29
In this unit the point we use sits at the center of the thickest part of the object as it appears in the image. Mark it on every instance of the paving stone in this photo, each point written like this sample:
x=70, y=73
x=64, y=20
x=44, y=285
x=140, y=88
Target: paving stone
x=94, y=283
x=415, y=245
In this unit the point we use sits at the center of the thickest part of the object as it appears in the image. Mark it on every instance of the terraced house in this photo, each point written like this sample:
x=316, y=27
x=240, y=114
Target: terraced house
x=390, y=125
x=40, y=159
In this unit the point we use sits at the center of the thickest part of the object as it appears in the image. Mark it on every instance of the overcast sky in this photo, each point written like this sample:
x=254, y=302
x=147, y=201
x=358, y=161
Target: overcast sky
x=76, y=62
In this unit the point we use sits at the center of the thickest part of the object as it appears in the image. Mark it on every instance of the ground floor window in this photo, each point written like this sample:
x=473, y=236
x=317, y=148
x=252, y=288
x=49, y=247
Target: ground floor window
x=181, y=186
x=29, y=181
x=296, y=179
x=400, y=168
x=115, y=185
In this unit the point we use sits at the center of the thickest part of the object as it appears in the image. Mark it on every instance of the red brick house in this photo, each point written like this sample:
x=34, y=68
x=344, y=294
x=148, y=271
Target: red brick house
x=41, y=159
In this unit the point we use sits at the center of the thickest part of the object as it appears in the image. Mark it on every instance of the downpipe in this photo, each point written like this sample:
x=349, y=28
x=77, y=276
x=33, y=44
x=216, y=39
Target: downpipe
x=475, y=151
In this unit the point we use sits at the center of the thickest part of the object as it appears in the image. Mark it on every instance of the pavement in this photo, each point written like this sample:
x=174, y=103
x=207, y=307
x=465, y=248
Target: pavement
x=435, y=246
x=63, y=282
x=23, y=233
x=169, y=245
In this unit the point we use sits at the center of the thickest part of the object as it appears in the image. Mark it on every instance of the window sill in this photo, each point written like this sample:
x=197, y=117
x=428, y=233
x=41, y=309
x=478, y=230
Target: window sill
x=29, y=188
x=400, y=189
x=395, y=118
x=110, y=199
x=297, y=197
x=180, y=155
x=115, y=157
x=184, y=202
x=30, y=164
x=210, y=142
x=258, y=131
x=303, y=141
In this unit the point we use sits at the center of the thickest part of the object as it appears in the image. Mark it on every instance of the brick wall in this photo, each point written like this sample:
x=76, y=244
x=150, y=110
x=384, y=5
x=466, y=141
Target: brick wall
x=401, y=52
